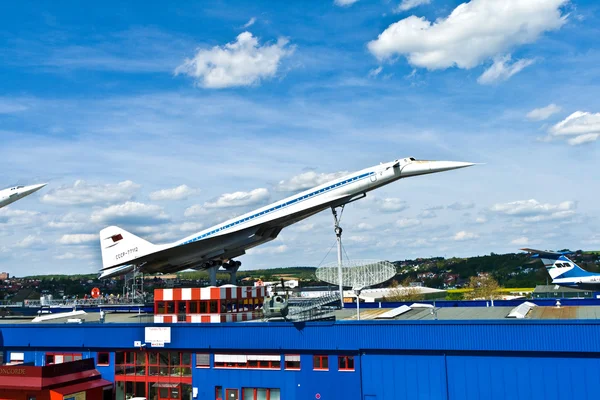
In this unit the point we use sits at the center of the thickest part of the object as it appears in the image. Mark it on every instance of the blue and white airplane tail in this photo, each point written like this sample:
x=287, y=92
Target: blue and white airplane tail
x=558, y=265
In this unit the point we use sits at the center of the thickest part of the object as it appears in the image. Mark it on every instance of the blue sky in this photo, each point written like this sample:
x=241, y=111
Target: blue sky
x=151, y=115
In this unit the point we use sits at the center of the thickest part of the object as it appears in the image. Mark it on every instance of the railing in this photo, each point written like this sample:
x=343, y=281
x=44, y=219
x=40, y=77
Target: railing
x=69, y=302
x=4, y=303
x=313, y=308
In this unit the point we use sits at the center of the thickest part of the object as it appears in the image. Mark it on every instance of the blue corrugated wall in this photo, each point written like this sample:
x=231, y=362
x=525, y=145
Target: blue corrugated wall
x=442, y=360
x=404, y=377
x=303, y=384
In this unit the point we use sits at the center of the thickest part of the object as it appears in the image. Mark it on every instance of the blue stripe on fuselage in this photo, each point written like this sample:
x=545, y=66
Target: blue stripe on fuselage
x=283, y=205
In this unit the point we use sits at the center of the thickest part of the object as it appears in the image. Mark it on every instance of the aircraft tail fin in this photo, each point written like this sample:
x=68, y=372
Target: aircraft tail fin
x=121, y=247
x=558, y=264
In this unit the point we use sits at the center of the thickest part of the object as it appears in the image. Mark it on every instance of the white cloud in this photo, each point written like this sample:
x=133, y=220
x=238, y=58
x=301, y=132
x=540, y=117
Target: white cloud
x=390, y=205
x=364, y=226
x=406, y=5
x=307, y=180
x=15, y=217
x=249, y=23
x=459, y=206
x=268, y=250
x=581, y=139
x=80, y=238
x=30, y=242
x=481, y=220
x=541, y=114
x=191, y=227
x=303, y=227
x=360, y=239
x=148, y=229
x=66, y=256
x=522, y=241
x=427, y=214
x=344, y=3
x=241, y=63
x=166, y=236
x=407, y=222
x=421, y=242
x=195, y=211
x=473, y=33
x=502, y=70
x=8, y=106
x=82, y=193
x=375, y=71
x=68, y=221
x=584, y=126
x=533, y=211
x=464, y=235
x=181, y=192
x=130, y=213
x=238, y=199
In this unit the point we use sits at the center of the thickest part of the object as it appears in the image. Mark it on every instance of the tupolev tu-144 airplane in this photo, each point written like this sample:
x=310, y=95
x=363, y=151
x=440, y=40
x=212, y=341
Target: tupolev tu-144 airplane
x=10, y=195
x=122, y=252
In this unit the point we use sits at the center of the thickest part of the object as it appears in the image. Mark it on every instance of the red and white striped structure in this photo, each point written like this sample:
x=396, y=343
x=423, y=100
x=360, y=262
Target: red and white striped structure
x=227, y=303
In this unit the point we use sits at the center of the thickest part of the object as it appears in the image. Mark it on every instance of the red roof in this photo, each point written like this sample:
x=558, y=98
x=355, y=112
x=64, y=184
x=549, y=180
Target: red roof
x=78, y=387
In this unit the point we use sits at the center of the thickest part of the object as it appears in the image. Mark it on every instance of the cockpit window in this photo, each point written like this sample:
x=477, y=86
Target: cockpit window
x=412, y=159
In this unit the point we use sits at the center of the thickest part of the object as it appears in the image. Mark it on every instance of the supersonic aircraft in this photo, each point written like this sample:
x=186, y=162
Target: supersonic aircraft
x=122, y=252
x=13, y=194
x=565, y=272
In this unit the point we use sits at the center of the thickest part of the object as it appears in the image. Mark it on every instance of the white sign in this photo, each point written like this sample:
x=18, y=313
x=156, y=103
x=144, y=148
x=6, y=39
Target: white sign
x=157, y=344
x=137, y=343
x=155, y=335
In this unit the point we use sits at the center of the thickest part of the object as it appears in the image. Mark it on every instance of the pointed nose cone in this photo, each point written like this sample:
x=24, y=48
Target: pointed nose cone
x=439, y=166
x=430, y=167
x=34, y=188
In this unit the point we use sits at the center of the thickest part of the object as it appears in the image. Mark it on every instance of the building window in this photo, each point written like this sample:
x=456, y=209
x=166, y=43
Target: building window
x=16, y=358
x=243, y=361
x=103, y=358
x=218, y=392
x=260, y=394
x=292, y=362
x=158, y=364
x=202, y=360
x=59, y=358
x=346, y=363
x=321, y=363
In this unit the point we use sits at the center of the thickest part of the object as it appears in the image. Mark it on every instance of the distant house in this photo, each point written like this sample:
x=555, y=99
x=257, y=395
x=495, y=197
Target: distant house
x=25, y=294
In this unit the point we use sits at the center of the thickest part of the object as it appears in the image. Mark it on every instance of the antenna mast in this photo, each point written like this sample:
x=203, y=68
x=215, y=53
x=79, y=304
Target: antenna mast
x=338, y=234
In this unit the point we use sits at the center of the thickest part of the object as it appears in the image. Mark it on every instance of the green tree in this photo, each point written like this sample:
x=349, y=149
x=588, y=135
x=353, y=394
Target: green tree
x=483, y=287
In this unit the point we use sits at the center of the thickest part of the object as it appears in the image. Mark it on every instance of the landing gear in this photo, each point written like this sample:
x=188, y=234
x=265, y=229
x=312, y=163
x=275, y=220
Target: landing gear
x=338, y=234
x=230, y=266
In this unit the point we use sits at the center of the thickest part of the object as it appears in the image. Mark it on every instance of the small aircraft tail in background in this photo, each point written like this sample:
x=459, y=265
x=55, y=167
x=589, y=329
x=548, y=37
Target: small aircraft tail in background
x=565, y=272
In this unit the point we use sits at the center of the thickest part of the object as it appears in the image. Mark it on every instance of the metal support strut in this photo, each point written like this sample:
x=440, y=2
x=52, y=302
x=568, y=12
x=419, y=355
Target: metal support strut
x=133, y=290
x=338, y=234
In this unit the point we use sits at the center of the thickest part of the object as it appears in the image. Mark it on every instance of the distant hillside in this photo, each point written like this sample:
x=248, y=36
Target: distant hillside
x=510, y=270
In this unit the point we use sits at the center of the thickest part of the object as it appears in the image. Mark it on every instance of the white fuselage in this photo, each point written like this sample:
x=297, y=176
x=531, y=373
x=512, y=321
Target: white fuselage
x=327, y=194
x=10, y=195
x=321, y=196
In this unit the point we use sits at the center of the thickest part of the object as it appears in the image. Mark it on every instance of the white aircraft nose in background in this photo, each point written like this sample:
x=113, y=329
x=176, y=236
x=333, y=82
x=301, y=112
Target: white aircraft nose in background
x=15, y=193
